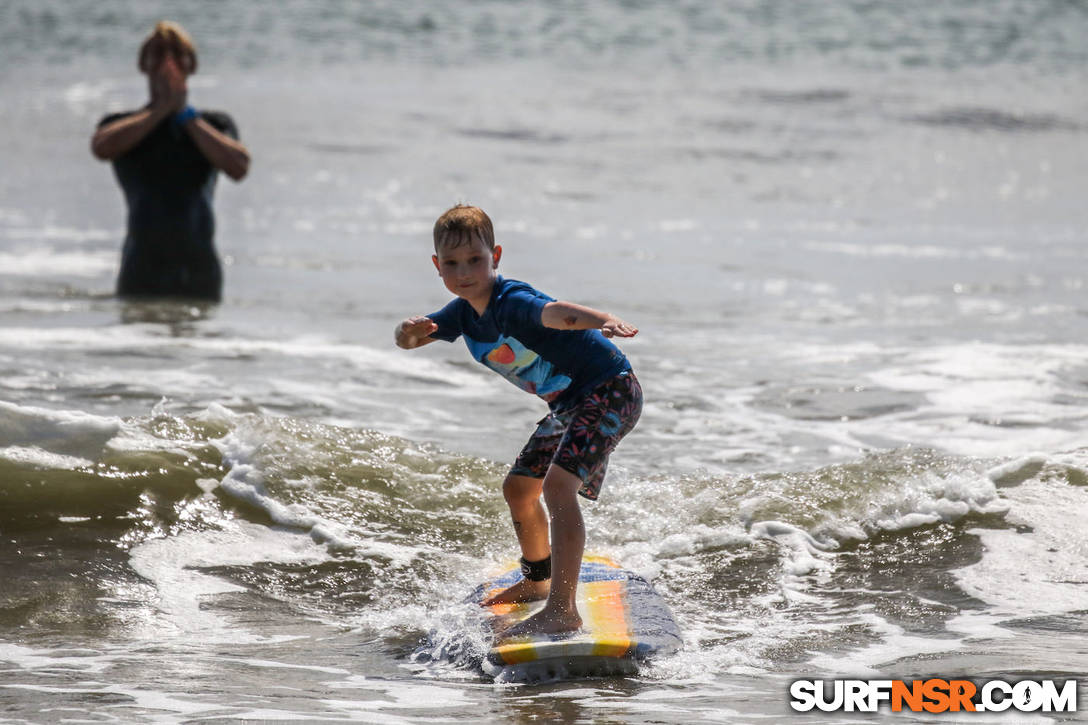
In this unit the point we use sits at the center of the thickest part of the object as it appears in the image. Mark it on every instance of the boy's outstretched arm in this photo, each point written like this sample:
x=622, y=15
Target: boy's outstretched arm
x=569, y=316
x=414, y=332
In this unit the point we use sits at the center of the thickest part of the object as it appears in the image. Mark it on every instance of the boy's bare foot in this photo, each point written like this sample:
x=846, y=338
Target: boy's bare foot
x=545, y=622
x=522, y=591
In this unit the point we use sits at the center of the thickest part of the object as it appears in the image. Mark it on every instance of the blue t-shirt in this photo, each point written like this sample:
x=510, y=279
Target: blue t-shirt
x=560, y=366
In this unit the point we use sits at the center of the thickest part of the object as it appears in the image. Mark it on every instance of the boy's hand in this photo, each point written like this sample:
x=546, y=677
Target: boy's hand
x=414, y=332
x=615, y=327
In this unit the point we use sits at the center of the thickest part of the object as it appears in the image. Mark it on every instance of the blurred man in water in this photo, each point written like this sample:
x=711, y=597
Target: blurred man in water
x=166, y=156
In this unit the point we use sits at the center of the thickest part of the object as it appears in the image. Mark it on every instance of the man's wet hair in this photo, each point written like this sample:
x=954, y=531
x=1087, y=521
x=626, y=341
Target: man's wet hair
x=167, y=33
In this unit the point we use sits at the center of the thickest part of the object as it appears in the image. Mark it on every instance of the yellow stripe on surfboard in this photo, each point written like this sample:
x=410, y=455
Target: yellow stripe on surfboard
x=605, y=615
x=605, y=619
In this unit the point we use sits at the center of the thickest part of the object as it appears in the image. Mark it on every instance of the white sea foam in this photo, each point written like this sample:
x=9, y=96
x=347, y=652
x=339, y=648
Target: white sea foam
x=660, y=705
x=805, y=554
x=245, y=481
x=912, y=251
x=136, y=696
x=50, y=262
x=890, y=642
x=40, y=306
x=51, y=232
x=1038, y=568
x=1017, y=469
x=173, y=564
x=273, y=665
x=400, y=696
x=930, y=498
x=151, y=337
x=68, y=433
x=88, y=96
x=979, y=400
x=84, y=661
x=34, y=456
x=698, y=538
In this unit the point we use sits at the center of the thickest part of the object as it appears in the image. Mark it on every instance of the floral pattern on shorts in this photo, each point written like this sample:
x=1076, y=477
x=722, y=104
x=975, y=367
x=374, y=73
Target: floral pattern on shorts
x=580, y=439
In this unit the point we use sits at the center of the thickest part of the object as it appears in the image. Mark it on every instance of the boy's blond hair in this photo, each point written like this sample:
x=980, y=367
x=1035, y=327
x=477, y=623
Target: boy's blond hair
x=462, y=224
x=167, y=32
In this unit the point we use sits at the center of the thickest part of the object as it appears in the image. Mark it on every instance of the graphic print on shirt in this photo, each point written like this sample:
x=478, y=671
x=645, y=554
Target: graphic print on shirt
x=520, y=365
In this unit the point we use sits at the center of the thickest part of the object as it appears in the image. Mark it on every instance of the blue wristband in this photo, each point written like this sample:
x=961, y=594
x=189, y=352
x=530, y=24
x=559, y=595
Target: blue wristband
x=185, y=115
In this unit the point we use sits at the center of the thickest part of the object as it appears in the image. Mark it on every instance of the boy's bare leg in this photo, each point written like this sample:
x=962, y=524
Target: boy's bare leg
x=568, y=534
x=522, y=495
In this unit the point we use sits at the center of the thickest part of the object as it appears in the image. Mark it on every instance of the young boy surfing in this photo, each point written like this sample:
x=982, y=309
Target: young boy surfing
x=559, y=351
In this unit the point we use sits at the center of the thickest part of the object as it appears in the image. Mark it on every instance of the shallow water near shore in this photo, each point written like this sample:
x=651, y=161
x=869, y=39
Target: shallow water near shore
x=852, y=236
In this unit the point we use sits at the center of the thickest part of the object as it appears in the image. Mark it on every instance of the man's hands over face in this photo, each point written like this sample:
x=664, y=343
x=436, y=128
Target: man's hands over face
x=171, y=93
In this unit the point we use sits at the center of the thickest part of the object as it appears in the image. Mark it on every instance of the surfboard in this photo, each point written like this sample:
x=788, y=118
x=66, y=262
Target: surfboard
x=625, y=622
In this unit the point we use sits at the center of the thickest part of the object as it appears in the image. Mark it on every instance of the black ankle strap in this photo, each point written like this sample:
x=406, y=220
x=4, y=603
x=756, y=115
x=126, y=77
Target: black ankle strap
x=536, y=571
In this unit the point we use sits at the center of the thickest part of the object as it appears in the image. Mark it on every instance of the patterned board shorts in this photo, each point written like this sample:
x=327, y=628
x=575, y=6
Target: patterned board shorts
x=580, y=439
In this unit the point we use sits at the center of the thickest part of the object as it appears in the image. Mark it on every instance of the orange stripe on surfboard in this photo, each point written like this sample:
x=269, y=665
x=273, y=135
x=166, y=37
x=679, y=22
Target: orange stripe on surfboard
x=606, y=616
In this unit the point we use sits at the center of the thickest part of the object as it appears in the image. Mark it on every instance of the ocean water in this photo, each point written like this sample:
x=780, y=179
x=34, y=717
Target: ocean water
x=852, y=234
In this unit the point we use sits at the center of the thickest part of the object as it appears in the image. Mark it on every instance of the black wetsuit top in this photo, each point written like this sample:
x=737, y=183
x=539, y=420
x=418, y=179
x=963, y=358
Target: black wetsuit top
x=168, y=185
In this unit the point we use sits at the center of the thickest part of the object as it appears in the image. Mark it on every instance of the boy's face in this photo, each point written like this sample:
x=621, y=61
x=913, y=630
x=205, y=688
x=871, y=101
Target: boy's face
x=469, y=270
